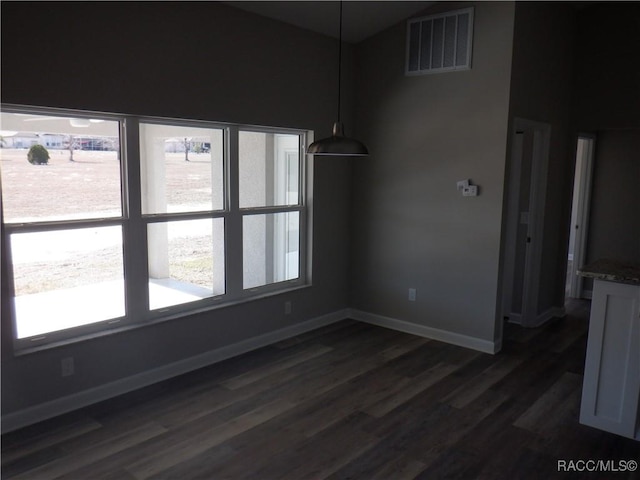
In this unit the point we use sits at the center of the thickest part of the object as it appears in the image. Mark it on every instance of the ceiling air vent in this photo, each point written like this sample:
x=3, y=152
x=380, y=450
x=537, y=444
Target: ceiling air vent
x=440, y=43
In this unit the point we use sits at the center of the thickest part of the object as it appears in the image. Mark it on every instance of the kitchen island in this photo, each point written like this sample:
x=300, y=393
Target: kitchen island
x=611, y=385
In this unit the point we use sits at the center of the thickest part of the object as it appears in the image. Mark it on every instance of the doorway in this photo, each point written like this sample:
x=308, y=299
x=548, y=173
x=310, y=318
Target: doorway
x=527, y=186
x=579, y=215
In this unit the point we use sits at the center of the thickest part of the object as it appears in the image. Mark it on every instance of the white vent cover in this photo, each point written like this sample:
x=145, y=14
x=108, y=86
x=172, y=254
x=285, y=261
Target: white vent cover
x=440, y=43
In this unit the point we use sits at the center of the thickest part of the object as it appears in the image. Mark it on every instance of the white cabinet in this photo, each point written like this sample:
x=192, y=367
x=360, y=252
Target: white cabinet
x=611, y=388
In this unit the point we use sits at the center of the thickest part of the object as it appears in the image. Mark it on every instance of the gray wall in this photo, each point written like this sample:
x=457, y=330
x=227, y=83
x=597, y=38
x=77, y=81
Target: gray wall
x=411, y=226
x=607, y=103
x=192, y=60
x=541, y=90
x=607, y=68
x=614, y=226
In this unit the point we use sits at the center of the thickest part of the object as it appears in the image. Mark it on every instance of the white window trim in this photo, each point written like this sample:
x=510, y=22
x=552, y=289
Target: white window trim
x=134, y=226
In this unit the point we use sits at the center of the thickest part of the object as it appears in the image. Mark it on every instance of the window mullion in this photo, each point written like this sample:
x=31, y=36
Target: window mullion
x=305, y=177
x=233, y=225
x=271, y=209
x=135, y=232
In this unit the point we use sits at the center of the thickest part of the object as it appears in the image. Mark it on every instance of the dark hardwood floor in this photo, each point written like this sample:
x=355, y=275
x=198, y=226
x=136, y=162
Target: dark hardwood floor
x=347, y=401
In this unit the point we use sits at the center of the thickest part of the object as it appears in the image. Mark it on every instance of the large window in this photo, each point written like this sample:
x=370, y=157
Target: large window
x=113, y=221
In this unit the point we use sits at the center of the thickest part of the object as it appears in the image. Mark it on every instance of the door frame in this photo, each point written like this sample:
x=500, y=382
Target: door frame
x=537, y=200
x=582, y=213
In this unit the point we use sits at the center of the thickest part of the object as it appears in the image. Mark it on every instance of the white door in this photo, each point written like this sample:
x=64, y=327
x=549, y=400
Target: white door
x=525, y=213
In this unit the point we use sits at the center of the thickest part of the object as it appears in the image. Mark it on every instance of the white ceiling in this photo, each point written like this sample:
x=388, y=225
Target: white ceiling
x=361, y=19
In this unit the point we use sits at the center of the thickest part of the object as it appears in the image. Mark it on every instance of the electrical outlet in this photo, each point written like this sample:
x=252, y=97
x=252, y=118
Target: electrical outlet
x=412, y=294
x=287, y=308
x=470, y=191
x=67, y=367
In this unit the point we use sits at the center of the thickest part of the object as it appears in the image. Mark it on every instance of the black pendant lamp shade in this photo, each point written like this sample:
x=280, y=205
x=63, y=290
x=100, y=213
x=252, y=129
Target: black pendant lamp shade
x=337, y=144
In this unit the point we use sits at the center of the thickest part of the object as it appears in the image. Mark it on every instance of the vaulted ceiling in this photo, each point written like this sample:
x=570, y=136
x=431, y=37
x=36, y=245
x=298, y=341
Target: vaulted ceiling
x=361, y=19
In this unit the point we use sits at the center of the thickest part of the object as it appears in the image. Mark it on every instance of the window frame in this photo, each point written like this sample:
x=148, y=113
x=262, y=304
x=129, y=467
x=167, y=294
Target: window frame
x=273, y=209
x=58, y=337
x=134, y=230
x=146, y=219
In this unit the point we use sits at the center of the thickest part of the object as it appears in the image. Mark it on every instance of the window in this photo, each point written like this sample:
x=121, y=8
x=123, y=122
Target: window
x=270, y=203
x=134, y=220
x=182, y=177
x=440, y=43
x=64, y=221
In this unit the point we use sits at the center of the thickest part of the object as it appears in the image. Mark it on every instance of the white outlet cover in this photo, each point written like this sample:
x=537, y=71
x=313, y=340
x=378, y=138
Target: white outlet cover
x=470, y=191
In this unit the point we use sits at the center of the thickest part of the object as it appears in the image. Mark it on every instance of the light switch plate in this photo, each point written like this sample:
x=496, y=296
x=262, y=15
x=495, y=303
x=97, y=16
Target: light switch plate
x=461, y=184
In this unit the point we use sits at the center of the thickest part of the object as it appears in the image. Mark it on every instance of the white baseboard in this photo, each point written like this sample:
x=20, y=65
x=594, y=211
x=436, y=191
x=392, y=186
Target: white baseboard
x=62, y=405
x=553, y=312
x=541, y=319
x=59, y=406
x=515, y=318
x=473, y=343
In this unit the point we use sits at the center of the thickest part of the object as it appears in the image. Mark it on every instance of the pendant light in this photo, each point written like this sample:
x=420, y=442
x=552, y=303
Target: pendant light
x=337, y=144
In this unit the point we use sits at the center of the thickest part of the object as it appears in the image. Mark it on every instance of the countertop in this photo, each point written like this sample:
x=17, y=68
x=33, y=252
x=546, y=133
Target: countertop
x=612, y=271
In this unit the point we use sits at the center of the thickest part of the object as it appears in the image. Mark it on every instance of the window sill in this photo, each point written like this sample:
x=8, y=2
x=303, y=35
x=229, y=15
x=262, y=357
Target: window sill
x=118, y=325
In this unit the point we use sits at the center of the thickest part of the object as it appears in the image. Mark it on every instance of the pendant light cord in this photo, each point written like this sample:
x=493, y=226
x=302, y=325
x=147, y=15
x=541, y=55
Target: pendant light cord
x=337, y=144
x=339, y=59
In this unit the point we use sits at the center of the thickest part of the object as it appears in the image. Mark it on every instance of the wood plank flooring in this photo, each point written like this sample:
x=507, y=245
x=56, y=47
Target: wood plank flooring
x=349, y=401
